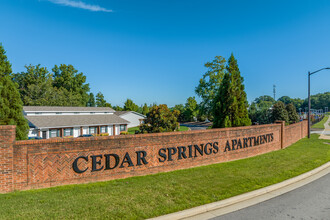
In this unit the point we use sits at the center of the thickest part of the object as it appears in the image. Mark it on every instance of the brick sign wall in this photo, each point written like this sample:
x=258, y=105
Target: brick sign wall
x=46, y=163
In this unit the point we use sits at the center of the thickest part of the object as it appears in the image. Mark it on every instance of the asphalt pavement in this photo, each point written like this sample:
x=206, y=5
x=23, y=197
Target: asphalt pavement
x=311, y=201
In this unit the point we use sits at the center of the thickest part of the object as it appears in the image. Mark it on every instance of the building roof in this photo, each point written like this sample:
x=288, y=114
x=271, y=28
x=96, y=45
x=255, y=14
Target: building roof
x=65, y=109
x=120, y=113
x=74, y=120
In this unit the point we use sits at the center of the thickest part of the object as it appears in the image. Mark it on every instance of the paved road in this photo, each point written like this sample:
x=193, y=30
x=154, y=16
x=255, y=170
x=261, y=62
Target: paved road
x=311, y=201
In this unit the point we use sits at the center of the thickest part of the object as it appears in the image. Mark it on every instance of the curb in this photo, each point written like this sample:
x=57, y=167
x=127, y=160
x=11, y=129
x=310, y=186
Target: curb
x=242, y=201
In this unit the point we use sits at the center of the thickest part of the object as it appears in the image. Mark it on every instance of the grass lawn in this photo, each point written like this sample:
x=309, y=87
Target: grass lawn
x=320, y=124
x=183, y=128
x=154, y=195
x=132, y=130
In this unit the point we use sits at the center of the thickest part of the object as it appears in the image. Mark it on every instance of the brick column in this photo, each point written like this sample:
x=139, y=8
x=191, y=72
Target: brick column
x=282, y=132
x=7, y=139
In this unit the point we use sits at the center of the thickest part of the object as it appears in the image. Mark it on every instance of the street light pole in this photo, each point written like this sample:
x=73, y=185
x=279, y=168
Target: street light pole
x=309, y=98
x=309, y=105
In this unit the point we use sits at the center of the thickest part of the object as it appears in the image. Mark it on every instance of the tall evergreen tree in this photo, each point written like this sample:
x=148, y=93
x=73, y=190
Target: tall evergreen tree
x=91, y=100
x=292, y=113
x=279, y=113
x=11, y=109
x=100, y=101
x=5, y=66
x=230, y=104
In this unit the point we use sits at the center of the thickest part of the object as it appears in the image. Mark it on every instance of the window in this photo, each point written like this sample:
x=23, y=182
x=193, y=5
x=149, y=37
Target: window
x=76, y=113
x=38, y=113
x=68, y=132
x=59, y=113
x=54, y=133
x=104, y=129
x=122, y=127
x=92, y=112
x=92, y=130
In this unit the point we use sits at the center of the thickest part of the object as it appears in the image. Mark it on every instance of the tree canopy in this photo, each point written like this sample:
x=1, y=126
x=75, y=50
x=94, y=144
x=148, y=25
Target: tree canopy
x=160, y=119
x=230, y=104
x=63, y=87
x=129, y=105
x=11, y=111
x=210, y=82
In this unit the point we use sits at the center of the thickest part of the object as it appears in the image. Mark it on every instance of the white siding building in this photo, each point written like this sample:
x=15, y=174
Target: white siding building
x=134, y=118
x=53, y=121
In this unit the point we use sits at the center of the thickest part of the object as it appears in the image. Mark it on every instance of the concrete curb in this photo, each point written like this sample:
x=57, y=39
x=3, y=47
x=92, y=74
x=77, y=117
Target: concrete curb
x=248, y=199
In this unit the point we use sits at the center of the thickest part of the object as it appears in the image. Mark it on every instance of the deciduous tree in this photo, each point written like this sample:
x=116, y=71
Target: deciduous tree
x=210, y=82
x=129, y=105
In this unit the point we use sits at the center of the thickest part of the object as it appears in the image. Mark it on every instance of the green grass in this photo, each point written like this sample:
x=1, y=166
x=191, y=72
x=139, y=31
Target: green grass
x=159, y=194
x=132, y=130
x=320, y=124
x=183, y=128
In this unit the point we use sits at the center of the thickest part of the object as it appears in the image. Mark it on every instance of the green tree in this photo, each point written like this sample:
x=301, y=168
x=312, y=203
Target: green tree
x=145, y=109
x=191, y=109
x=5, y=66
x=67, y=77
x=292, y=114
x=230, y=104
x=264, y=101
x=285, y=99
x=160, y=119
x=209, y=84
x=279, y=113
x=180, y=109
x=129, y=105
x=35, y=86
x=91, y=101
x=264, y=98
x=318, y=101
x=11, y=109
x=118, y=108
x=100, y=101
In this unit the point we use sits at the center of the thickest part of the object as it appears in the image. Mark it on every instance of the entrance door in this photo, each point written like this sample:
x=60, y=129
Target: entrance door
x=44, y=134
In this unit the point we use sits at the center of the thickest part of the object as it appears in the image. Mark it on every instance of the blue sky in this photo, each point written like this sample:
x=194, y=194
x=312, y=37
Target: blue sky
x=155, y=50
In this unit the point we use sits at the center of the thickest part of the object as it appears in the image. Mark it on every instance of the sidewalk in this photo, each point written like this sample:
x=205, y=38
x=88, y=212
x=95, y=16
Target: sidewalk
x=326, y=132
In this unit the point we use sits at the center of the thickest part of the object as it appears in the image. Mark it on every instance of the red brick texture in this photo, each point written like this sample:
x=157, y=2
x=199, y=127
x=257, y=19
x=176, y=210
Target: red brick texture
x=44, y=163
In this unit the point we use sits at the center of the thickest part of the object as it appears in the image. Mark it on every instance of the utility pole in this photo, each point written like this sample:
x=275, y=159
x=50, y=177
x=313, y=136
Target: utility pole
x=274, y=91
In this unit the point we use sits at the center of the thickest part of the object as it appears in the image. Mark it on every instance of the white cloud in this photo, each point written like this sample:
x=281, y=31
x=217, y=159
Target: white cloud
x=80, y=4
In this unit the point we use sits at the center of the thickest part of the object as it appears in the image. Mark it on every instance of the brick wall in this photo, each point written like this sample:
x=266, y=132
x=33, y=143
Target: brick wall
x=292, y=133
x=45, y=163
x=7, y=138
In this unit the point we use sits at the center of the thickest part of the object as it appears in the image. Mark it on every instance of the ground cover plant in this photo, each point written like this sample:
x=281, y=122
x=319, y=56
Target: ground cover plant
x=159, y=194
x=320, y=124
